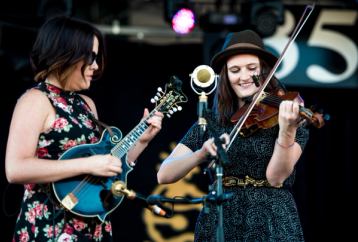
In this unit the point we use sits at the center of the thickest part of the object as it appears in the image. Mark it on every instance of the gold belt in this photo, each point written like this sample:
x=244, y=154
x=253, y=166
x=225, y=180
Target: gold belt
x=231, y=181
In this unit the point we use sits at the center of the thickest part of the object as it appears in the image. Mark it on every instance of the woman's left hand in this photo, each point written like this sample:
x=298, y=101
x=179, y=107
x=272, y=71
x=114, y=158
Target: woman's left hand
x=155, y=123
x=288, y=114
x=289, y=120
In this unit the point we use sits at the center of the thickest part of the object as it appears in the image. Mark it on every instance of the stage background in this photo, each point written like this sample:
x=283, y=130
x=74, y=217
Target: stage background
x=324, y=182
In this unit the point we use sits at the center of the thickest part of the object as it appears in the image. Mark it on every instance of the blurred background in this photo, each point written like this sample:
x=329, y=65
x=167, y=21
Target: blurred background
x=149, y=41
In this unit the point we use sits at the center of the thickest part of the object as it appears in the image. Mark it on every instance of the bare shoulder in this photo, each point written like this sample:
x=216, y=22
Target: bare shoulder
x=90, y=103
x=34, y=108
x=34, y=98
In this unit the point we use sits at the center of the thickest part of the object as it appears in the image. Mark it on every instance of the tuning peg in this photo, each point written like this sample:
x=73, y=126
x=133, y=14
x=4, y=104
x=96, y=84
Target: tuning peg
x=160, y=89
x=168, y=115
x=152, y=100
x=180, y=108
x=171, y=111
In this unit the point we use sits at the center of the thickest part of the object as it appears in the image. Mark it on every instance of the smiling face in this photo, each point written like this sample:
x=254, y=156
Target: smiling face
x=241, y=68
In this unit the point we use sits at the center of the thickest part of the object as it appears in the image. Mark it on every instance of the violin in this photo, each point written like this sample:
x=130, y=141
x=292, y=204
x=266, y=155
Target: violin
x=264, y=115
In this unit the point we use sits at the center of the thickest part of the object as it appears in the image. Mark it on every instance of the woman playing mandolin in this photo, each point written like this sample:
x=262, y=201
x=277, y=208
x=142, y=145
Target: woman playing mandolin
x=51, y=118
x=262, y=163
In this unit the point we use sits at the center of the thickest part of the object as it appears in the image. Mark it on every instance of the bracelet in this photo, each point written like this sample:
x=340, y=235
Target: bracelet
x=284, y=146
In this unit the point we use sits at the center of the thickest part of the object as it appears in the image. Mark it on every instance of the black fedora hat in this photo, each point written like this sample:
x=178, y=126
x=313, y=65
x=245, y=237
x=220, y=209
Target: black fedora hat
x=245, y=42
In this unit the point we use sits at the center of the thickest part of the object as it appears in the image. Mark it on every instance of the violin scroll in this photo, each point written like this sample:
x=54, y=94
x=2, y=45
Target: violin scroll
x=317, y=119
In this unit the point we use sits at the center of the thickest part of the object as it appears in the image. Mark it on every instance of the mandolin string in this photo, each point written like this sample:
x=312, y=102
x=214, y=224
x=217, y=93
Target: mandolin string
x=80, y=188
x=83, y=186
x=118, y=149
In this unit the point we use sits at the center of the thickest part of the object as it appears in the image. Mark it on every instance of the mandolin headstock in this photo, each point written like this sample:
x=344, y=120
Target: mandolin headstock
x=167, y=101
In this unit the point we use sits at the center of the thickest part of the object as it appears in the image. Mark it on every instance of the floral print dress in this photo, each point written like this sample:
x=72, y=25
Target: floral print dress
x=41, y=218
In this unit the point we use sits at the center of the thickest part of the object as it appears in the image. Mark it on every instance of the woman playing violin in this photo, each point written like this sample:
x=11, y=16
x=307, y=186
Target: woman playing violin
x=262, y=165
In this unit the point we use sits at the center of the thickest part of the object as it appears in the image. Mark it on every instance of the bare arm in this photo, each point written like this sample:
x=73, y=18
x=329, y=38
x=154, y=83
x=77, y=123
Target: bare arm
x=287, y=151
x=179, y=163
x=182, y=160
x=34, y=114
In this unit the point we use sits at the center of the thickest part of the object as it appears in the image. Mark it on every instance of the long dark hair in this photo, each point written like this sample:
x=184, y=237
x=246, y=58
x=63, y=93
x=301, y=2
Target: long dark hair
x=61, y=43
x=226, y=102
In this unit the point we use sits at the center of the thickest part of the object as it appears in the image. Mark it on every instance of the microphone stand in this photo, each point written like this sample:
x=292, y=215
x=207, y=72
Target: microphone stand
x=217, y=196
x=203, y=76
x=220, y=160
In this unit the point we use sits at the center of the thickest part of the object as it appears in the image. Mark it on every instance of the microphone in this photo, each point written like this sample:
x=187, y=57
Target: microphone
x=256, y=79
x=203, y=77
x=119, y=189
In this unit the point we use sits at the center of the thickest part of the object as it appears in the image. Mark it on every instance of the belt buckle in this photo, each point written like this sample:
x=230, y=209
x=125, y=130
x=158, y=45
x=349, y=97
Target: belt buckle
x=230, y=181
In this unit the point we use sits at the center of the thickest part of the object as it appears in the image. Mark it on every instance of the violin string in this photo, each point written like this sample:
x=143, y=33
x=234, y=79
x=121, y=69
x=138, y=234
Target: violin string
x=277, y=100
x=272, y=100
x=240, y=123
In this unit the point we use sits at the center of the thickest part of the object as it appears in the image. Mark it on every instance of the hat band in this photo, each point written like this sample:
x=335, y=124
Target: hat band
x=243, y=45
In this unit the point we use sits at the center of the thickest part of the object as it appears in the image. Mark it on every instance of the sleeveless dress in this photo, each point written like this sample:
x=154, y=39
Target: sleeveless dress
x=252, y=213
x=41, y=218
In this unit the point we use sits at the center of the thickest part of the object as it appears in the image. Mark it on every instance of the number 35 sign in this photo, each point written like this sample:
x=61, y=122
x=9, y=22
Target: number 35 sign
x=325, y=54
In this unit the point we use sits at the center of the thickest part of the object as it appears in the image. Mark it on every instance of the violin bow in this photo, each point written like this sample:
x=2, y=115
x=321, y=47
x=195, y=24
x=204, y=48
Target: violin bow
x=235, y=131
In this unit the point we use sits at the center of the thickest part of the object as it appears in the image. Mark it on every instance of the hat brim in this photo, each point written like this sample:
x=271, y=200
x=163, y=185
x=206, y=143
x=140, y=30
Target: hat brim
x=220, y=58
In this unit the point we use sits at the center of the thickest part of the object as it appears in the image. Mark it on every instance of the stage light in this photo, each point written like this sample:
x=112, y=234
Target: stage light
x=183, y=21
x=180, y=14
x=265, y=16
x=216, y=22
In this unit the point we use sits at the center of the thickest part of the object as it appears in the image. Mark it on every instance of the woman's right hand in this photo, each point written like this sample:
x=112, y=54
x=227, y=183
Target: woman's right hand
x=209, y=147
x=104, y=165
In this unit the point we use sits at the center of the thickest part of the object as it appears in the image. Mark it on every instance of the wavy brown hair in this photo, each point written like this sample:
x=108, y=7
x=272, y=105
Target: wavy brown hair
x=226, y=101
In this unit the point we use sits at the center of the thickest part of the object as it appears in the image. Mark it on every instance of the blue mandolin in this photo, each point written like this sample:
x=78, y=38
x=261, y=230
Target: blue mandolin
x=92, y=196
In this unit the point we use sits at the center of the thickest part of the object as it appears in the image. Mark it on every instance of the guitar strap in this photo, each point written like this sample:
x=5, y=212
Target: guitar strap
x=100, y=124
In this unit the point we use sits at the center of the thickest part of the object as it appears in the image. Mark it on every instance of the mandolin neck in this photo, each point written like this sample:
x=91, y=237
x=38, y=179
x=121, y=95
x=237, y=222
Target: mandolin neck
x=123, y=146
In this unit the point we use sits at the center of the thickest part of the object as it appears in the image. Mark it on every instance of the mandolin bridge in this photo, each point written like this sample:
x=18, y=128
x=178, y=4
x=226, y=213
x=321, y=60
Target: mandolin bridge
x=69, y=201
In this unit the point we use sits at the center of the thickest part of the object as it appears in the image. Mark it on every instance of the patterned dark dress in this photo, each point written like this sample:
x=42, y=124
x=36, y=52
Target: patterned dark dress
x=253, y=213
x=41, y=218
